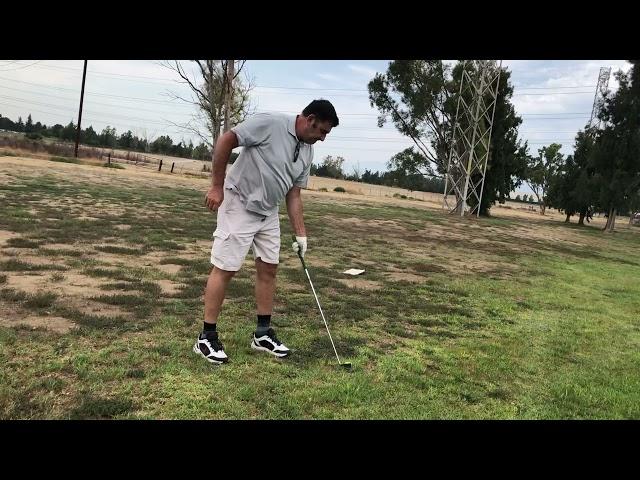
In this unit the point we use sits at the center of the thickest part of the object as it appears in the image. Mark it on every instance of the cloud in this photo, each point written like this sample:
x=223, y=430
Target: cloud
x=364, y=70
x=330, y=77
x=310, y=84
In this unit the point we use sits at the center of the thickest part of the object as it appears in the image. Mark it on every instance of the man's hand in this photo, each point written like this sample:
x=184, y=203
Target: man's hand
x=214, y=197
x=300, y=245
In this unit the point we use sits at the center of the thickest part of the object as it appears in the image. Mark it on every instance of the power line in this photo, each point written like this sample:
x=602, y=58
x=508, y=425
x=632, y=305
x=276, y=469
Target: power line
x=146, y=100
x=93, y=102
x=281, y=87
x=21, y=67
x=115, y=75
x=110, y=115
x=553, y=93
x=280, y=111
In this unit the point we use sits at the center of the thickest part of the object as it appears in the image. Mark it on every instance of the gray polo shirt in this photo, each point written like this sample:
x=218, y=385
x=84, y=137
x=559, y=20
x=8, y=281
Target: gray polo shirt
x=264, y=172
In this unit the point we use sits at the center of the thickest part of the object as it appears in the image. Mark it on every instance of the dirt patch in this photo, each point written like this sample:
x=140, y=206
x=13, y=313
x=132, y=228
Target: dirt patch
x=152, y=258
x=170, y=268
x=78, y=284
x=361, y=283
x=71, y=284
x=6, y=235
x=405, y=277
x=204, y=244
x=168, y=287
x=122, y=226
x=12, y=316
x=54, y=324
x=91, y=307
x=113, y=258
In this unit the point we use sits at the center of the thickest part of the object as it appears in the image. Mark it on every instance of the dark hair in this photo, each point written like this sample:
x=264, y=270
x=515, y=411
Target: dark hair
x=323, y=110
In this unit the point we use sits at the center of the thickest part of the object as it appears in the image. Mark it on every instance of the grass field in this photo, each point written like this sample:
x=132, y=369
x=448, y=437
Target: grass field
x=101, y=281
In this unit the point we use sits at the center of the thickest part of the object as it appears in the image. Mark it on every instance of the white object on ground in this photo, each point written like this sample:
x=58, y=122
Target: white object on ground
x=353, y=271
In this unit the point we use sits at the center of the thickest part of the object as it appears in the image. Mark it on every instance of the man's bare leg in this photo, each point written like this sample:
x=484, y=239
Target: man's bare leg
x=215, y=292
x=265, y=286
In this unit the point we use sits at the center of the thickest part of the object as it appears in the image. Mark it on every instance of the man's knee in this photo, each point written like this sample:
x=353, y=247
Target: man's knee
x=265, y=269
x=220, y=273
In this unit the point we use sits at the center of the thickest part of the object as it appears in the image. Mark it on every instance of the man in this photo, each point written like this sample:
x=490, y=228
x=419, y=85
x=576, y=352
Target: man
x=273, y=165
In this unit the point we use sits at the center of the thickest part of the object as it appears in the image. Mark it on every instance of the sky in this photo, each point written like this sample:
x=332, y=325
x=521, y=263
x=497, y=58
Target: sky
x=553, y=97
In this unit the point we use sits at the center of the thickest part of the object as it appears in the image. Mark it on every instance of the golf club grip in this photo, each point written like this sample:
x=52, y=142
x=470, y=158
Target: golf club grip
x=299, y=253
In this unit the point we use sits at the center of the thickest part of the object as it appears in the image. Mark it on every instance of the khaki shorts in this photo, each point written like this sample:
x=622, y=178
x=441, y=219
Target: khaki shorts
x=238, y=229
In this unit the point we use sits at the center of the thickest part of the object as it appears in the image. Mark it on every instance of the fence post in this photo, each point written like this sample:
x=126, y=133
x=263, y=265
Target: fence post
x=172, y=165
x=109, y=161
x=160, y=166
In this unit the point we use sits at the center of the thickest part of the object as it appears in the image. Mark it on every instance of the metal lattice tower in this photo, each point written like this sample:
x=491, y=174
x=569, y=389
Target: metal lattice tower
x=471, y=138
x=598, y=99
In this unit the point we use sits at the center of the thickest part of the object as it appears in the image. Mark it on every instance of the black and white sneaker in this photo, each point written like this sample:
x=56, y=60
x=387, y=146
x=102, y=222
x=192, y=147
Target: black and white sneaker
x=269, y=343
x=209, y=346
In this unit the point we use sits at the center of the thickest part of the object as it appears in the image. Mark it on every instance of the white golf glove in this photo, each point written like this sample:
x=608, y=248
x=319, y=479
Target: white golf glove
x=300, y=244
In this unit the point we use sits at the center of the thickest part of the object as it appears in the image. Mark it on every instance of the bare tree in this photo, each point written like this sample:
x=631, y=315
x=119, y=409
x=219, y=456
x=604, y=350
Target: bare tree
x=357, y=172
x=213, y=82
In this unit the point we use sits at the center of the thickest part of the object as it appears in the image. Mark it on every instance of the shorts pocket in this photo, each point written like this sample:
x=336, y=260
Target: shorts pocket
x=221, y=234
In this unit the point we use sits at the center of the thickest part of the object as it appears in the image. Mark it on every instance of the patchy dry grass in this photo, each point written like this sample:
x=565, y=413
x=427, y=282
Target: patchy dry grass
x=101, y=289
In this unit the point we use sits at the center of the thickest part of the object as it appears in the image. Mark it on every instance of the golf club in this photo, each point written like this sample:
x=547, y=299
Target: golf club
x=346, y=365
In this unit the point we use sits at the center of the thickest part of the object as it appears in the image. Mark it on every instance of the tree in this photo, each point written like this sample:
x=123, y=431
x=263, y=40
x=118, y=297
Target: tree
x=420, y=98
x=28, y=127
x=126, y=140
x=202, y=152
x=56, y=131
x=518, y=199
x=561, y=187
x=69, y=132
x=356, y=172
x=7, y=124
x=108, y=137
x=540, y=171
x=331, y=167
x=20, y=125
x=89, y=136
x=616, y=157
x=162, y=144
x=209, y=91
x=369, y=177
x=582, y=190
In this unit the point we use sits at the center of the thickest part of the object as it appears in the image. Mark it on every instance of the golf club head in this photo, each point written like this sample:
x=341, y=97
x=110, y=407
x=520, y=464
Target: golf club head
x=346, y=365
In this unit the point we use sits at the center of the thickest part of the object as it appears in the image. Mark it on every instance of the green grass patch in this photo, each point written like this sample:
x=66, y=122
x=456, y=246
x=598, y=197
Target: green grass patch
x=15, y=265
x=119, y=250
x=40, y=300
x=22, y=243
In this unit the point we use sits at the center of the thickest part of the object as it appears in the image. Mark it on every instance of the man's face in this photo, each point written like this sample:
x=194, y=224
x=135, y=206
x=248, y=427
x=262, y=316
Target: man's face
x=316, y=130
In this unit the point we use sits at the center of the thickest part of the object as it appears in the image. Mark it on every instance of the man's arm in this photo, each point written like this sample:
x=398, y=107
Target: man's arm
x=225, y=144
x=294, y=209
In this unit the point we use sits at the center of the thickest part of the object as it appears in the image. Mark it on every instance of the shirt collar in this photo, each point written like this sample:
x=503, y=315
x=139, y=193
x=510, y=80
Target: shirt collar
x=292, y=126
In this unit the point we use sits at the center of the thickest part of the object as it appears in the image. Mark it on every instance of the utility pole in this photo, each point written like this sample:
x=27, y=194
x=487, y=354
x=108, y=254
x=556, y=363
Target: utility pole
x=84, y=75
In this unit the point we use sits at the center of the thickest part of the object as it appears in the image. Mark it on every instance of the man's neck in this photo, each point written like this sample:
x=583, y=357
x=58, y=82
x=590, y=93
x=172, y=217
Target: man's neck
x=299, y=127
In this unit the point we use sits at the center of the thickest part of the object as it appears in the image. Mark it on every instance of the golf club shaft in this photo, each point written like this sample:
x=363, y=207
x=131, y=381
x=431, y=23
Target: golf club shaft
x=322, y=313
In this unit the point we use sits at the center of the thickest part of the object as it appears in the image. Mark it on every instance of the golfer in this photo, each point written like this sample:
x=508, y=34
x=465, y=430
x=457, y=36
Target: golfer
x=273, y=165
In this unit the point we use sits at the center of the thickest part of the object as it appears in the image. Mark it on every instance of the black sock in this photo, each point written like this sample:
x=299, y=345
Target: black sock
x=209, y=327
x=263, y=324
